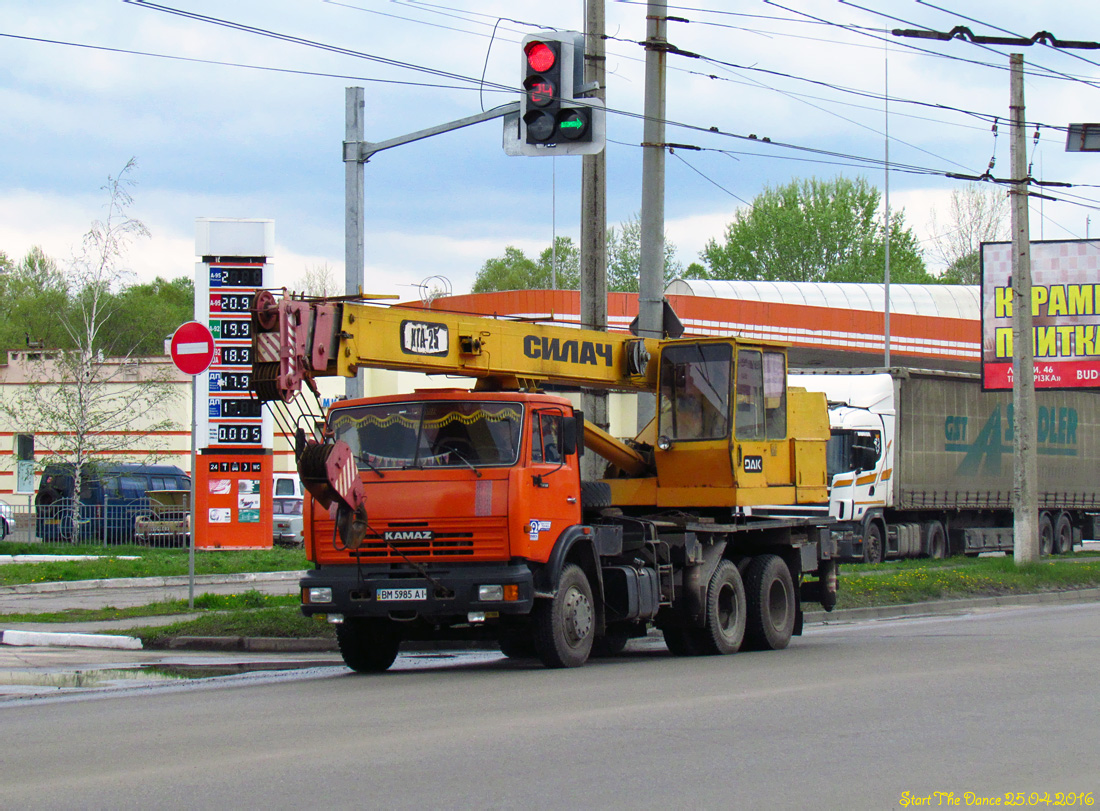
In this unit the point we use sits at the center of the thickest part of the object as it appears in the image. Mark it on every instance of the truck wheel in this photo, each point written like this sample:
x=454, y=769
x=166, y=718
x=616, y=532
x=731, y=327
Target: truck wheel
x=1046, y=534
x=611, y=643
x=771, y=604
x=935, y=540
x=515, y=646
x=725, y=611
x=872, y=543
x=681, y=640
x=565, y=624
x=1063, y=534
x=595, y=495
x=368, y=644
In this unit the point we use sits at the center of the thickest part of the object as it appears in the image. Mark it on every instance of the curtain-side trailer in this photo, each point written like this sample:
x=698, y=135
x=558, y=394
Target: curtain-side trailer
x=921, y=463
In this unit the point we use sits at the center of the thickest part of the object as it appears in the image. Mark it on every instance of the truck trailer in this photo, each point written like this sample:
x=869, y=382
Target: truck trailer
x=920, y=463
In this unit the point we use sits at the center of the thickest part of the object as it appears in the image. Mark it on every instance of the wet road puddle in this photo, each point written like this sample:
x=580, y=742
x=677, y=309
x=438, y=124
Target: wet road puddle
x=38, y=680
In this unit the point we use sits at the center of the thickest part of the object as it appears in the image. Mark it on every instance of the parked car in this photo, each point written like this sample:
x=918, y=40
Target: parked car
x=111, y=498
x=287, y=510
x=168, y=522
x=7, y=520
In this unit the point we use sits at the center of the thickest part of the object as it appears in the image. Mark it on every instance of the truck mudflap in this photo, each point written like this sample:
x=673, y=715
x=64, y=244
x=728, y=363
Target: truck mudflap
x=440, y=593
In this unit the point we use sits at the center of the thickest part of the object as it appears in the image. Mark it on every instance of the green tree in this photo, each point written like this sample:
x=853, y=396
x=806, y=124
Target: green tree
x=516, y=271
x=815, y=231
x=34, y=301
x=141, y=316
x=624, y=257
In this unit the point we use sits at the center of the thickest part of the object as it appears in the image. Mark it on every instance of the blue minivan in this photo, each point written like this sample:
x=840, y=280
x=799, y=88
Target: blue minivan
x=111, y=497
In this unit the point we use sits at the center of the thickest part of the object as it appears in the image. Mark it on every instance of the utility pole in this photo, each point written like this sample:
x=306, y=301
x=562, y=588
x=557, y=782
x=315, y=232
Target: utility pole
x=652, y=270
x=594, y=228
x=354, y=202
x=1025, y=468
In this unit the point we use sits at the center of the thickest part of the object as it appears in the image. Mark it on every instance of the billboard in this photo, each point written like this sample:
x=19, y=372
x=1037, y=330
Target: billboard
x=1065, y=310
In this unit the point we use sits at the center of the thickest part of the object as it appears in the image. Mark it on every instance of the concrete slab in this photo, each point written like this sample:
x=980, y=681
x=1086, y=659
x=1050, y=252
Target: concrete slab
x=41, y=639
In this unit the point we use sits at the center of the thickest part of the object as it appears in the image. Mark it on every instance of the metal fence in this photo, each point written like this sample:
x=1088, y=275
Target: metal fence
x=62, y=523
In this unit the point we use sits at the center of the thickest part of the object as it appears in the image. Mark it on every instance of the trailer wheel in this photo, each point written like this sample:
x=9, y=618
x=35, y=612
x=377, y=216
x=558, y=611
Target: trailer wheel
x=368, y=644
x=1063, y=534
x=725, y=611
x=1046, y=534
x=935, y=540
x=772, y=604
x=872, y=543
x=565, y=624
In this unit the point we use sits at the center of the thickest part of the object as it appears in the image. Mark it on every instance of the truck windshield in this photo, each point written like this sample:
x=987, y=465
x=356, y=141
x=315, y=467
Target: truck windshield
x=852, y=451
x=431, y=434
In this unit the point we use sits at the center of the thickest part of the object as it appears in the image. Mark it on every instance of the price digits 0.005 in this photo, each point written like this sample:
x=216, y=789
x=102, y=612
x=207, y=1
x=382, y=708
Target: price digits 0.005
x=239, y=433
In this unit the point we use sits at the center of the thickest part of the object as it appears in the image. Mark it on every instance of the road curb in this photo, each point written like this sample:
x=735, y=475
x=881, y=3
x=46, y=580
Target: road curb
x=45, y=639
x=260, y=644
x=932, y=607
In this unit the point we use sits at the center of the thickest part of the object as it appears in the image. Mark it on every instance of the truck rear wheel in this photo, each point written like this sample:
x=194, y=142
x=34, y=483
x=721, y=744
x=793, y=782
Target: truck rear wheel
x=681, y=640
x=368, y=644
x=725, y=611
x=935, y=540
x=611, y=643
x=565, y=624
x=772, y=604
x=1046, y=534
x=1063, y=534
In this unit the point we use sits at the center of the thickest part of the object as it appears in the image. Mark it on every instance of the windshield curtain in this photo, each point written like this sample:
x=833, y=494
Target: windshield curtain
x=430, y=434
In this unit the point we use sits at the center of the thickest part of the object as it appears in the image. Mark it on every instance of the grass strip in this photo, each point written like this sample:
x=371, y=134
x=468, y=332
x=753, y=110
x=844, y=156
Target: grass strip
x=204, y=602
x=284, y=622
x=960, y=578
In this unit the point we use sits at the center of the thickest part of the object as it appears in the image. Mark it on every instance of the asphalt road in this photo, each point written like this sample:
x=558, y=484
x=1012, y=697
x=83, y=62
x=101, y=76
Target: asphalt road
x=850, y=716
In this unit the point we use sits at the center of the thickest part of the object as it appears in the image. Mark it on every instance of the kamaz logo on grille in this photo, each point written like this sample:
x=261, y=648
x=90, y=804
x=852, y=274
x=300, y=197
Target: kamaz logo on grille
x=408, y=535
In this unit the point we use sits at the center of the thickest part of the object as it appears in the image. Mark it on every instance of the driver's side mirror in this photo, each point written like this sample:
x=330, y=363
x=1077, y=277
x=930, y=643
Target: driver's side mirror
x=572, y=429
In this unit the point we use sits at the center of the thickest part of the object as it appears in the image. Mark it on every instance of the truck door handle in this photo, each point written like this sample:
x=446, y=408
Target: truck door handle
x=571, y=499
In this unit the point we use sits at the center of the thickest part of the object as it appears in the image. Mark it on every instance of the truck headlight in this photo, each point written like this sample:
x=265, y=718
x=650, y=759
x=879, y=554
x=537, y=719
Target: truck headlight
x=318, y=594
x=490, y=593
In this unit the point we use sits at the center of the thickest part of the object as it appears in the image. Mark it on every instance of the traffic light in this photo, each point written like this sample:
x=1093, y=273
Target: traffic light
x=554, y=117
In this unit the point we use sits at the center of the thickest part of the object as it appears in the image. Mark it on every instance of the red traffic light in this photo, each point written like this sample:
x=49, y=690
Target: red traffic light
x=540, y=56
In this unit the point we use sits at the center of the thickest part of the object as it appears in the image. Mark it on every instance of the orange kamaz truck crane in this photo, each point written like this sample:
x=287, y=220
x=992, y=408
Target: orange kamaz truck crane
x=458, y=514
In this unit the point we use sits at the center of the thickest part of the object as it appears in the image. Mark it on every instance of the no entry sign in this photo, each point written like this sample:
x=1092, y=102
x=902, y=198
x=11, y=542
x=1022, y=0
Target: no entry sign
x=192, y=348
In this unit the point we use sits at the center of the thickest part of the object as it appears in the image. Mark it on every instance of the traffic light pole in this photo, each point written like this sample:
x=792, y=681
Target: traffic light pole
x=354, y=197
x=356, y=153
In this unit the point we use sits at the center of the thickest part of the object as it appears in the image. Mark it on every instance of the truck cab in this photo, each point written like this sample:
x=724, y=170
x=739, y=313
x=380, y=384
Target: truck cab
x=487, y=480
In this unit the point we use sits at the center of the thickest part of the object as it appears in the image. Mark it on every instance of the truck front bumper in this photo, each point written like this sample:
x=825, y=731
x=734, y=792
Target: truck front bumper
x=848, y=541
x=451, y=593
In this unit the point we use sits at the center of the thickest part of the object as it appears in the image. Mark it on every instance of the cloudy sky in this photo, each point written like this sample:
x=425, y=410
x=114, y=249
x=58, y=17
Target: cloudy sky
x=226, y=122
